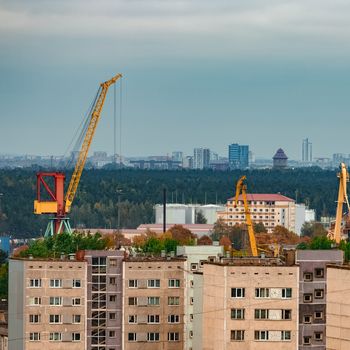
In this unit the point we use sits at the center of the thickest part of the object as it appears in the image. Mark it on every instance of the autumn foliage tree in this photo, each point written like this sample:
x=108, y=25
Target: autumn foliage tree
x=204, y=240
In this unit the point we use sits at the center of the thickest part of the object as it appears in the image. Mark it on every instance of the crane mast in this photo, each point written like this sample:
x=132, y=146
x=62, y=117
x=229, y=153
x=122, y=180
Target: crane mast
x=58, y=204
x=241, y=187
x=343, y=176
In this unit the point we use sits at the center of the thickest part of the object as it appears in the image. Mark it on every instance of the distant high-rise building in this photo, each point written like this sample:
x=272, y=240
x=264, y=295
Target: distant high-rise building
x=307, y=151
x=177, y=156
x=201, y=158
x=238, y=156
x=280, y=159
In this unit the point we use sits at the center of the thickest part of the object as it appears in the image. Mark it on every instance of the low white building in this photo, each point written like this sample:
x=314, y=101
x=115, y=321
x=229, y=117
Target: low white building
x=302, y=215
x=186, y=213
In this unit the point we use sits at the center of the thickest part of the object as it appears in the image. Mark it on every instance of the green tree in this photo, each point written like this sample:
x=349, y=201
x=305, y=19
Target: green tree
x=3, y=257
x=259, y=227
x=200, y=218
x=4, y=281
x=313, y=229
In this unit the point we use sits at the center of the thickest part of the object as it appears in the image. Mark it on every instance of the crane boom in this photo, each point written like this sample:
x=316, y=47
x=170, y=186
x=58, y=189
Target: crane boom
x=94, y=119
x=241, y=187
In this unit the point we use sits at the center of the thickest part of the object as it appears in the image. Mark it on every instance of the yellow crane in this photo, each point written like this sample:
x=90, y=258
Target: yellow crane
x=59, y=204
x=241, y=187
x=343, y=176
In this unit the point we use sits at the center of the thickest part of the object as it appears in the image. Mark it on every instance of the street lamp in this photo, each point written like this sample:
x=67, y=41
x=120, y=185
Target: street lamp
x=119, y=193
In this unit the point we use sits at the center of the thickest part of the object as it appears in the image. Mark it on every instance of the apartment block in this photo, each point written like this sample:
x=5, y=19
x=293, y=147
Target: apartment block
x=104, y=299
x=47, y=304
x=338, y=308
x=195, y=258
x=154, y=301
x=247, y=303
x=270, y=209
x=313, y=295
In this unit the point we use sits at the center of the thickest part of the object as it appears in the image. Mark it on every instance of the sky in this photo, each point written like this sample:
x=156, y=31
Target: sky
x=197, y=73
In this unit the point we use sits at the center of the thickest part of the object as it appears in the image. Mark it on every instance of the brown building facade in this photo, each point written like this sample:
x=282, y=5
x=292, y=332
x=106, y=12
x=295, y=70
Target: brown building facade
x=247, y=307
x=47, y=304
x=154, y=298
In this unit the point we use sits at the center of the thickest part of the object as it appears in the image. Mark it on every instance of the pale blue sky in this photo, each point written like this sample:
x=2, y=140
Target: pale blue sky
x=197, y=73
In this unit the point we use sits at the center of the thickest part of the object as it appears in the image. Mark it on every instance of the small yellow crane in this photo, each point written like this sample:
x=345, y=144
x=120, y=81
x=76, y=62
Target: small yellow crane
x=343, y=176
x=241, y=187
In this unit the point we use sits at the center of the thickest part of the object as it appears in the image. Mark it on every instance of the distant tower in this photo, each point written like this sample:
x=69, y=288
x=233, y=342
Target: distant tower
x=306, y=156
x=280, y=159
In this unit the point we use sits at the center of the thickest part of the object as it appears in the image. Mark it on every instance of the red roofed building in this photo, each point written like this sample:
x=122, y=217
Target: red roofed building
x=270, y=209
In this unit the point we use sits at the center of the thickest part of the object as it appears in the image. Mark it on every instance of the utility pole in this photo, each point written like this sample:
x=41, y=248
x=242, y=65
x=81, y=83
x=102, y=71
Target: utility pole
x=164, y=209
x=119, y=193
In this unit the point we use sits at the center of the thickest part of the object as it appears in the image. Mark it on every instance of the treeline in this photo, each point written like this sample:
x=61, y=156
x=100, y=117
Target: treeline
x=96, y=203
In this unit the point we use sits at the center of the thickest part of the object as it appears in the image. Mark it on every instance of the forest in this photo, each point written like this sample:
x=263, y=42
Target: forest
x=102, y=193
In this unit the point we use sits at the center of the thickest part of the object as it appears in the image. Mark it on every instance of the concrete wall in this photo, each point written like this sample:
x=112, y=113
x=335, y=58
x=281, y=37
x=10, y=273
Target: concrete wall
x=217, y=303
x=309, y=261
x=338, y=308
x=16, y=304
x=143, y=270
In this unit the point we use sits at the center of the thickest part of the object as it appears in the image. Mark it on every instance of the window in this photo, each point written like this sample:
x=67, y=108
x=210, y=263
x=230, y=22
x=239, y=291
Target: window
x=112, y=334
x=307, y=298
x=237, y=292
x=113, y=262
x=132, y=301
x=152, y=336
x=153, y=319
x=55, y=319
x=173, y=300
x=173, y=319
x=307, y=340
x=261, y=335
x=286, y=293
x=153, y=301
x=132, y=318
x=34, y=301
x=173, y=336
x=191, y=334
x=318, y=315
x=55, y=336
x=318, y=293
x=307, y=319
x=237, y=335
x=112, y=281
x=132, y=283
x=261, y=314
x=286, y=314
x=76, y=283
x=237, y=314
x=174, y=283
x=153, y=283
x=194, y=267
x=319, y=273
x=262, y=292
x=34, y=318
x=76, y=319
x=113, y=298
x=55, y=283
x=76, y=302
x=55, y=301
x=35, y=336
x=191, y=300
x=35, y=283
x=112, y=315
x=131, y=336
x=308, y=276
x=75, y=336
x=285, y=335
x=318, y=336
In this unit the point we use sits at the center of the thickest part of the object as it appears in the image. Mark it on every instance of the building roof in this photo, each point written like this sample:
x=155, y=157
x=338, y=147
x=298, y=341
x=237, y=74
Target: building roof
x=267, y=197
x=280, y=154
x=191, y=227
